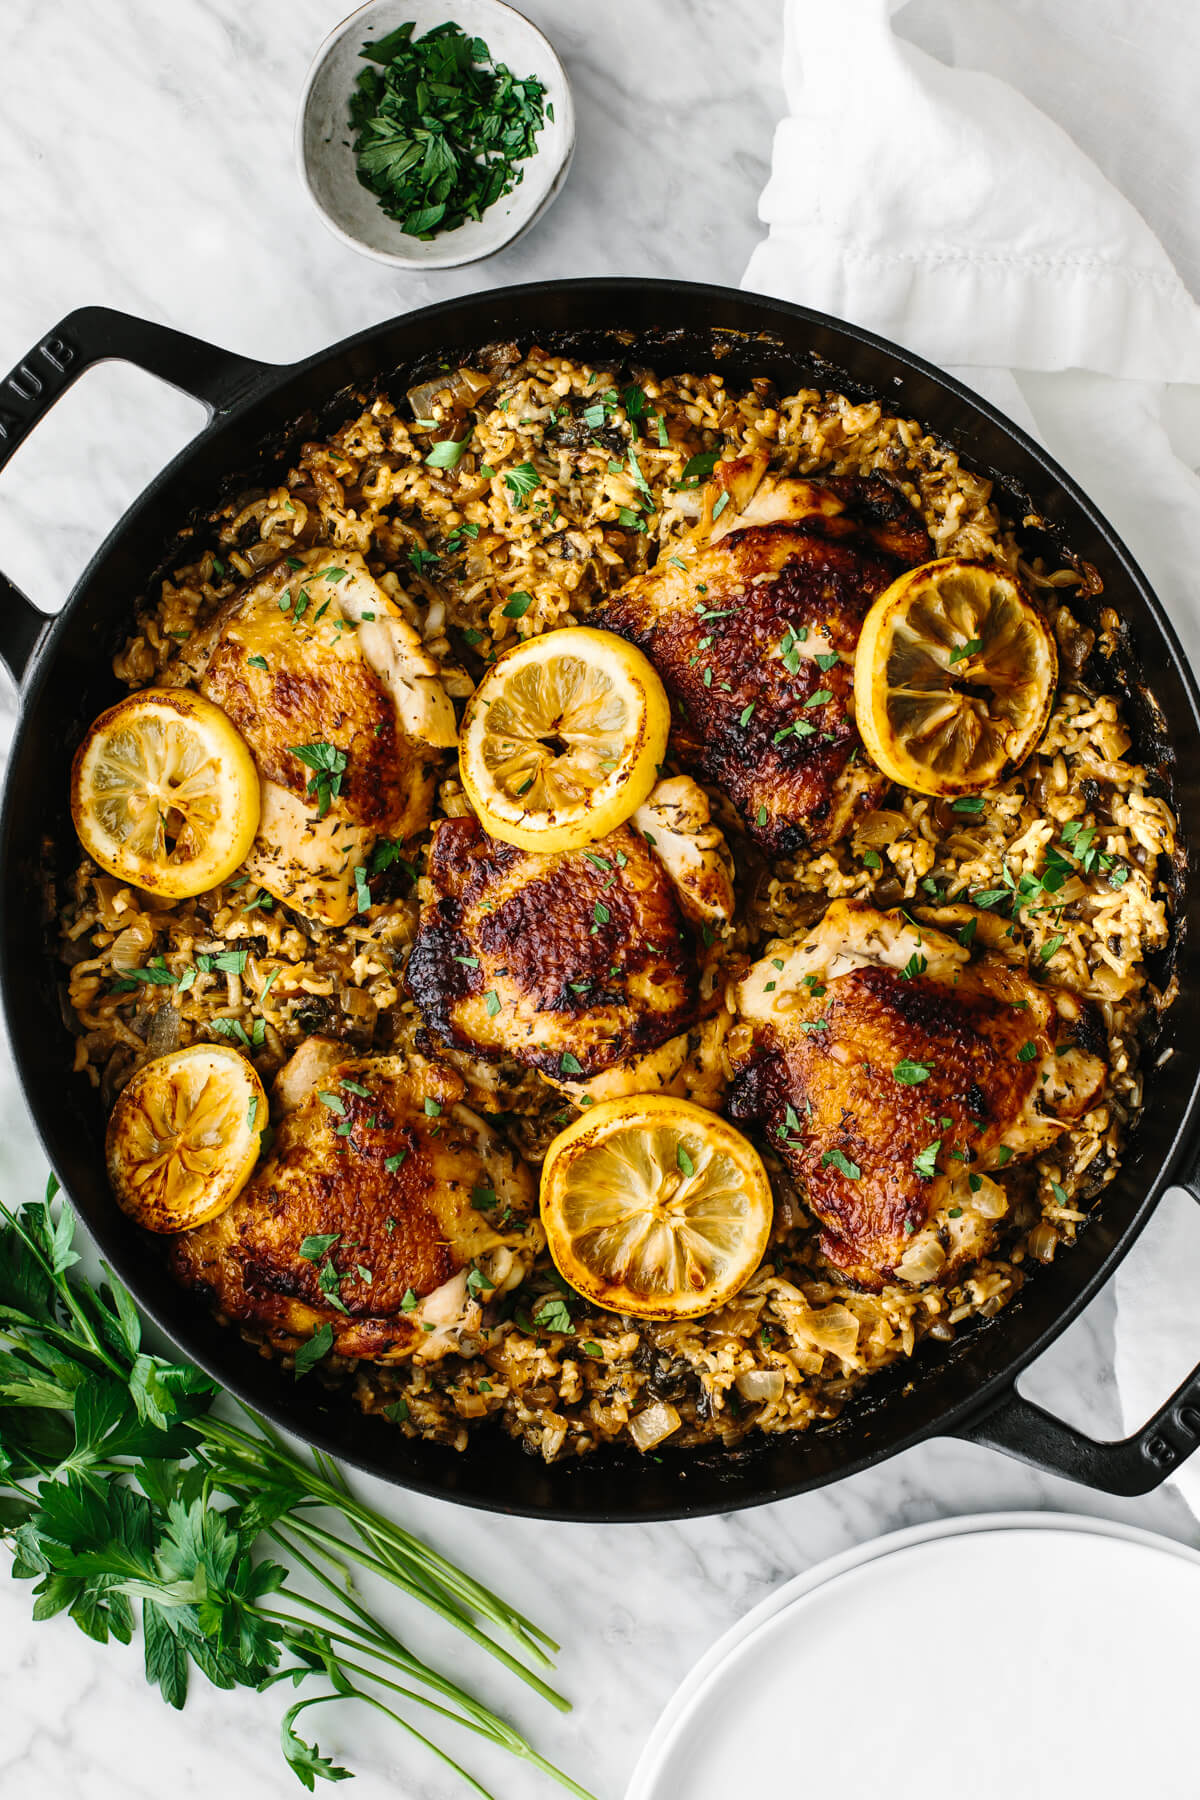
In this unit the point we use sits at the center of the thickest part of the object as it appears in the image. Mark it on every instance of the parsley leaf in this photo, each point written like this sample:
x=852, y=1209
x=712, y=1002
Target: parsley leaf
x=837, y=1159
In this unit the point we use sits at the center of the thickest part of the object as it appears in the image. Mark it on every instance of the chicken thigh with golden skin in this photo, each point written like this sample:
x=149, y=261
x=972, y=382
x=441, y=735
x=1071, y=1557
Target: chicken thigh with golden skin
x=752, y=622
x=567, y=962
x=893, y=1075
x=380, y=1195
x=315, y=654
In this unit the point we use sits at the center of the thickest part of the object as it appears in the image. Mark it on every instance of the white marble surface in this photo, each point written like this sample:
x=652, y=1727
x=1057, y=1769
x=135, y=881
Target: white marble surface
x=146, y=160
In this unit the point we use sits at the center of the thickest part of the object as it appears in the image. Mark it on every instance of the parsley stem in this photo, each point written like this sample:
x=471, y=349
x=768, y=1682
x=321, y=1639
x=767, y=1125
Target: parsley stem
x=454, y=1617
x=353, y=1693
x=519, y=1747
x=397, y=1547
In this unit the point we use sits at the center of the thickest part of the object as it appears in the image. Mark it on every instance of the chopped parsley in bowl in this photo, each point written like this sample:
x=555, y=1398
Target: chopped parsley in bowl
x=434, y=132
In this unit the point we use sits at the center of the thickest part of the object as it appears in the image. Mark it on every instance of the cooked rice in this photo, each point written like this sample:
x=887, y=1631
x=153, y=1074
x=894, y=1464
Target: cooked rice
x=453, y=547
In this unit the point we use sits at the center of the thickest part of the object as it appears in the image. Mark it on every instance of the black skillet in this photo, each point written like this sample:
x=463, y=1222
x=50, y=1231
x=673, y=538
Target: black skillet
x=257, y=413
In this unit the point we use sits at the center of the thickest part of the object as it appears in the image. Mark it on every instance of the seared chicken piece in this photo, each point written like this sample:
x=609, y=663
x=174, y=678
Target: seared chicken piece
x=752, y=622
x=674, y=820
x=315, y=654
x=379, y=1197
x=568, y=962
x=893, y=1075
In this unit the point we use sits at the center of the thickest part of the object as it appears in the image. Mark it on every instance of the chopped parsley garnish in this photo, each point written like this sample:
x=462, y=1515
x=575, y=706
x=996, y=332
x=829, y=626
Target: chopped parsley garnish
x=492, y=1001
x=362, y=891
x=837, y=1159
x=318, y=1346
x=698, y=468
x=233, y=1028
x=441, y=128
x=1003, y=1155
x=746, y=713
x=1051, y=946
x=968, y=803
x=1027, y=1052
x=683, y=1161
x=518, y=606
x=432, y=1108
x=257, y=662
x=916, y=965
x=570, y=1065
x=447, y=453
x=328, y=765
x=719, y=508
x=521, y=483
x=551, y=1314
x=312, y=1249
x=972, y=647
x=925, y=1161
x=392, y=1163
x=871, y=859
x=908, y=1073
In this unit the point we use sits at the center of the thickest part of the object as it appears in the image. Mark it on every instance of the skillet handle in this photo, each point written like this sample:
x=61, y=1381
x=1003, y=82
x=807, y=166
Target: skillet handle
x=1127, y=1466
x=94, y=334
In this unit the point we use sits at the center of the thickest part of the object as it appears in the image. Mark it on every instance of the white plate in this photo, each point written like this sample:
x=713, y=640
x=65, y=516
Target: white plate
x=1035, y=1654
x=323, y=138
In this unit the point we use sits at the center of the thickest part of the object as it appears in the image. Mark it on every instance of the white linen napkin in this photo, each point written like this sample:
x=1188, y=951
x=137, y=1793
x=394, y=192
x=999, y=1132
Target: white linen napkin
x=962, y=178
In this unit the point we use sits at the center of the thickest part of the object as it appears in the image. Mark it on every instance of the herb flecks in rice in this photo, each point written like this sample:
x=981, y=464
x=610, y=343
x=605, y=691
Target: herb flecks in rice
x=574, y=478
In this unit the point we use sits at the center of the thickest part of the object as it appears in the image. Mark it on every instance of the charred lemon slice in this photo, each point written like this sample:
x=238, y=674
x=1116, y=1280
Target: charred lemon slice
x=184, y=1137
x=164, y=793
x=655, y=1207
x=562, y=739
x=953, y=677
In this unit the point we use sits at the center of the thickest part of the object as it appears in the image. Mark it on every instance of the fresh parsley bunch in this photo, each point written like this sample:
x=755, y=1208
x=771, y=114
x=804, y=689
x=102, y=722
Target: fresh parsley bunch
x=120, y=1489
x=441, y=129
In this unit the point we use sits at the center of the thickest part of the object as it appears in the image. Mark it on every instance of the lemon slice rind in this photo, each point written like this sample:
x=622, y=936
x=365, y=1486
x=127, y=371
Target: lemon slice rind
x=184, y=1136
x=165, y=794
x=954, y=677
x=655, y=1207
x=563, y=738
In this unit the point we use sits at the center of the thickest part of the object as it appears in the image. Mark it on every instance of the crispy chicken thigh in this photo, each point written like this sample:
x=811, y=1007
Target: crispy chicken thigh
x=892, y=1074
x=380, y=1195
x=752, y=623
x=567, y=963
x=315, y=654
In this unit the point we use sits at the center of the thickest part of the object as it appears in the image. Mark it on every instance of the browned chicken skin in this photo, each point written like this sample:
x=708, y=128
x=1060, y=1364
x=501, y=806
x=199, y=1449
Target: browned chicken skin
x=755, y=618
x=377, y=1157
x=315, y=654
x=568, y=962
x=892, y=1075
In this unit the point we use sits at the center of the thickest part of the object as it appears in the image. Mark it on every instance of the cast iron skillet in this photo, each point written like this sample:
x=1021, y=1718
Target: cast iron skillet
x=965, y=1389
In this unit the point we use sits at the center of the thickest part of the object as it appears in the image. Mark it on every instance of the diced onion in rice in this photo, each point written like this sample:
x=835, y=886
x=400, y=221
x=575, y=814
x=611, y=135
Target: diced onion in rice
x=759, y=1385
x=653, y=1424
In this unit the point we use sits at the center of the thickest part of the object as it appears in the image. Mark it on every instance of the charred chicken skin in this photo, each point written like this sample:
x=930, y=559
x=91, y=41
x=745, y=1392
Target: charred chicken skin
x=893, y=1075
x=568, y=962
x=752, y=623
x=368, y=1215
x=344, y=713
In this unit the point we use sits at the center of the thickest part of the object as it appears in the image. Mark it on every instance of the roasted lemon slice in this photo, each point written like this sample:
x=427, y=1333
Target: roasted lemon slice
x=164, y=793
x=562, y=739
x=953, y=677
x=184, y=1137
x=655, y=1207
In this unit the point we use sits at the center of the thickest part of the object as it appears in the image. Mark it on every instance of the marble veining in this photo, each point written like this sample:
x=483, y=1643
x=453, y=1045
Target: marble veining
x=146, y=154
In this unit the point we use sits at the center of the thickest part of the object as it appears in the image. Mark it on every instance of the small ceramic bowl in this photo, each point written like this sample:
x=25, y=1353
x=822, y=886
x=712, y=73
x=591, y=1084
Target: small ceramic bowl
x=323, y=136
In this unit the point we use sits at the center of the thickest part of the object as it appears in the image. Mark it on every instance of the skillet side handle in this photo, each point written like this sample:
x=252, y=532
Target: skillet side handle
x=1127, y=1466
x=217, y=378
